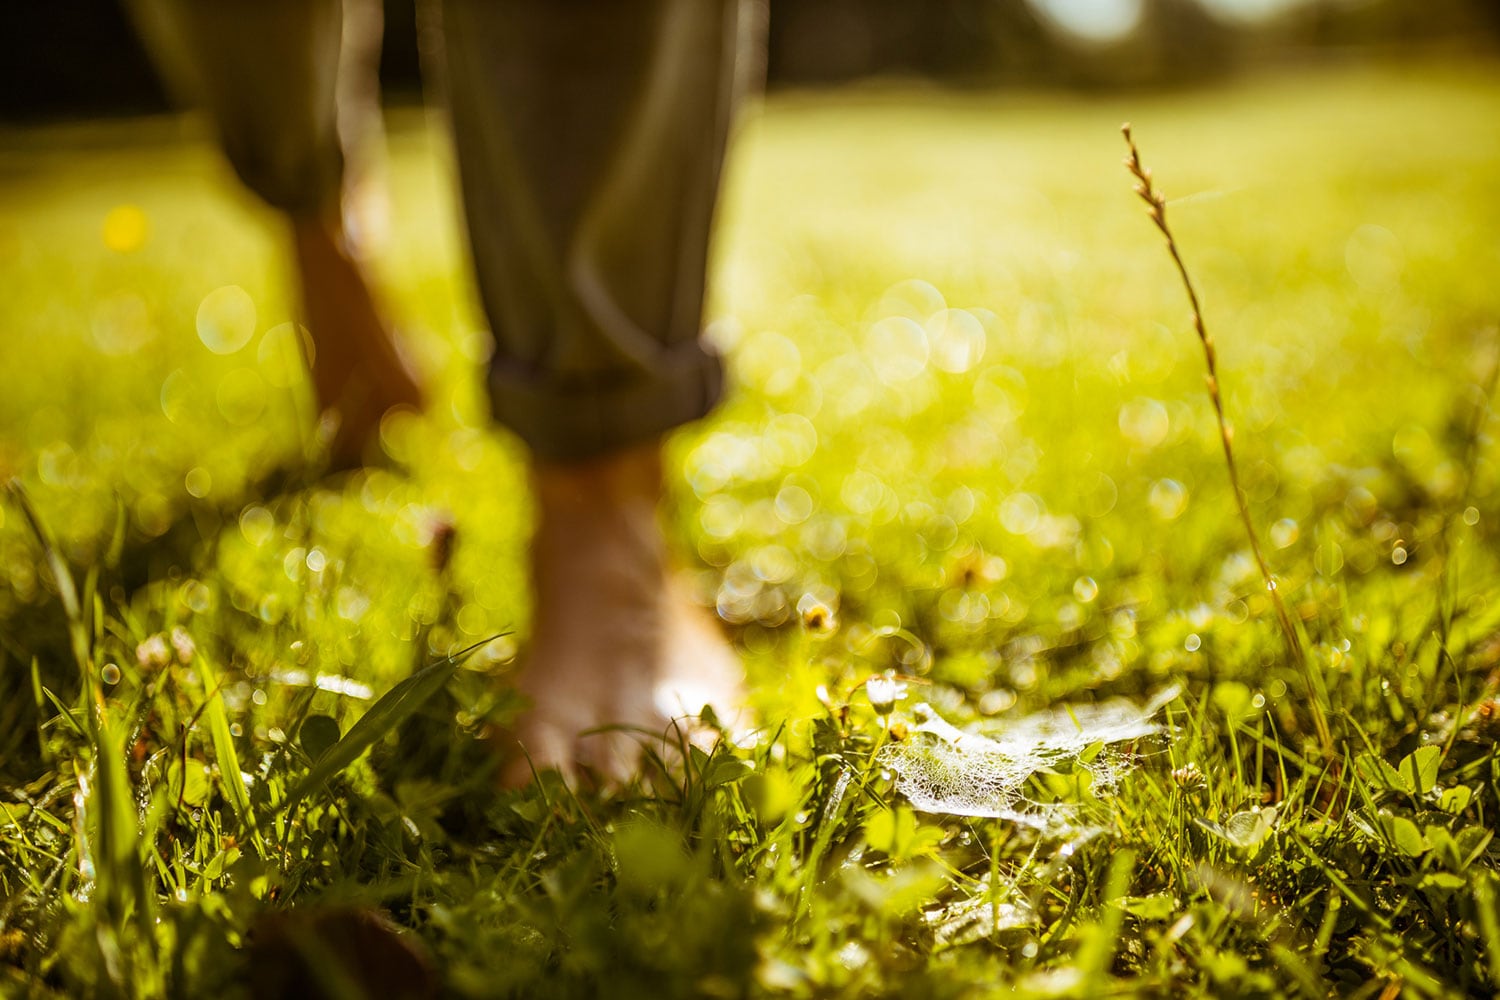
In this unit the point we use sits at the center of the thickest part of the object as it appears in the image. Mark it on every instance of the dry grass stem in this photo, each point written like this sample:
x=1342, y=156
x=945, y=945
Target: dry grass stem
x=1157, y=208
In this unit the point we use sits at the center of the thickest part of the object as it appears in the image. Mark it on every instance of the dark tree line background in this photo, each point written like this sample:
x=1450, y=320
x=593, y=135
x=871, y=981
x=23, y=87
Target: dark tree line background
x=77, y=58
x=987, y=42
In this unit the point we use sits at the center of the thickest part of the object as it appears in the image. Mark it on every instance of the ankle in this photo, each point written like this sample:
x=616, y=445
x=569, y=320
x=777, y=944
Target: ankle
x=620, y=480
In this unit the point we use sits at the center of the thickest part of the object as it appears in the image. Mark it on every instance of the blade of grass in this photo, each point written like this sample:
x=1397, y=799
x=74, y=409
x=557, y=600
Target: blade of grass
x=217, y=718
x=67, y=592
x=117, y=860
x=111, y=820
x=65, y=713
x=1104, y=936
x=832, y=814
x=393, y=707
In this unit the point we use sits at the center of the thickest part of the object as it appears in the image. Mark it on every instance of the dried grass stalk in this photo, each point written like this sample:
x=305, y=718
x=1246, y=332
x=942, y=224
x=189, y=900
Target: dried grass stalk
x=1156, y=205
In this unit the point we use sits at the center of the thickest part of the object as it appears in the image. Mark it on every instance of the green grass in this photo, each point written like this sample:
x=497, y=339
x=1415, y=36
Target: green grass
x=1025, y=504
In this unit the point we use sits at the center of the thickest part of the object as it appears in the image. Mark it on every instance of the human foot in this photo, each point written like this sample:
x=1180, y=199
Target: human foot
x=617, y=640
x=357, y=371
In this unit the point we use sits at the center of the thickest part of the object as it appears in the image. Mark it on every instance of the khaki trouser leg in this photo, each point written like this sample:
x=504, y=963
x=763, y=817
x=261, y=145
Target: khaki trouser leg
x=289, y=86
x=590, y=135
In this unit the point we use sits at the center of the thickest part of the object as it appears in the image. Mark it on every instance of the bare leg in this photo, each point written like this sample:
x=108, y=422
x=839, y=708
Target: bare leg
x=357, y=372
x=616, y=639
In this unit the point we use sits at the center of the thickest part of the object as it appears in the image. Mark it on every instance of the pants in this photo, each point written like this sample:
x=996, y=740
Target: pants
x=589, y=138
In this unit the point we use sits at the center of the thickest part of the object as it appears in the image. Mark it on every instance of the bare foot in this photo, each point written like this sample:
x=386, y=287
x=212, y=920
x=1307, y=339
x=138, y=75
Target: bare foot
x=357, y=371
x=617, y=640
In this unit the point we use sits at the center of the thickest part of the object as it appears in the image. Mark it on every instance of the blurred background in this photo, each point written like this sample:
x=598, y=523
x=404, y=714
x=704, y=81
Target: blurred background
x=966, y=401
x=80, y=58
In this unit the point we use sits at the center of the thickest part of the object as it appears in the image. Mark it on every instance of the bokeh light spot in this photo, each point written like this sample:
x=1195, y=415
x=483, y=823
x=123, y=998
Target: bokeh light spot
x=848, y=385
x=721, y=517
x=957, y=339
x=226, y=319
x=770, y=362
x=793, y=504
x=1168, y=499
x=198, y=482
x=825, y=537
x=897, y=349
x=772, y=563
x=1097, y=21
x=863, y=492
x=1285, y=533
x=1144, y=422
x=960, y=504
x=257, y=525
x=1248, y=12
x=241, y=396
x=1020, y=513
x=791, y=439
x=1102, y=496
x=126, y=228
x=153, y=512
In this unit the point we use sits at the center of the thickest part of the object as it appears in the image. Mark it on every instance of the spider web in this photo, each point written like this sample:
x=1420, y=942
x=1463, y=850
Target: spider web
x=940, y=768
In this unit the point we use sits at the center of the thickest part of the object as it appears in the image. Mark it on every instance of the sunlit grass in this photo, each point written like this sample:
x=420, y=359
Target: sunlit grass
x=968, y=443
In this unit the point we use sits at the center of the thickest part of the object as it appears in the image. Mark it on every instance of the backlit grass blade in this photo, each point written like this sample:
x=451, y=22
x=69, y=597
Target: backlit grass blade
x=108, y=805
x=217, y=719
x=67, y=593
x=117, y=860
x=394, y=707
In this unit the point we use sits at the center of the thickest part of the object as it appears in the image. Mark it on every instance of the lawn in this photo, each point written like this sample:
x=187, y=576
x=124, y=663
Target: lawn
x=968, y=454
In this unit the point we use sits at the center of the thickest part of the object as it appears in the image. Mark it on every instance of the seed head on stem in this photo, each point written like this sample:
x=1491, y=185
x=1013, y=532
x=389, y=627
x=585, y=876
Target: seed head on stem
x=1156, y=209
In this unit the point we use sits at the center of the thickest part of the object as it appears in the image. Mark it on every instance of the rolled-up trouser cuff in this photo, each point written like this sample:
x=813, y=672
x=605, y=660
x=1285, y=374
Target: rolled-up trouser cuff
x=589, y=137
x=571, y=420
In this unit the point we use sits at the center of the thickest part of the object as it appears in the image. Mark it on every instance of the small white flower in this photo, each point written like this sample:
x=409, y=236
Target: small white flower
x=884, y=691
x=817, y=617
